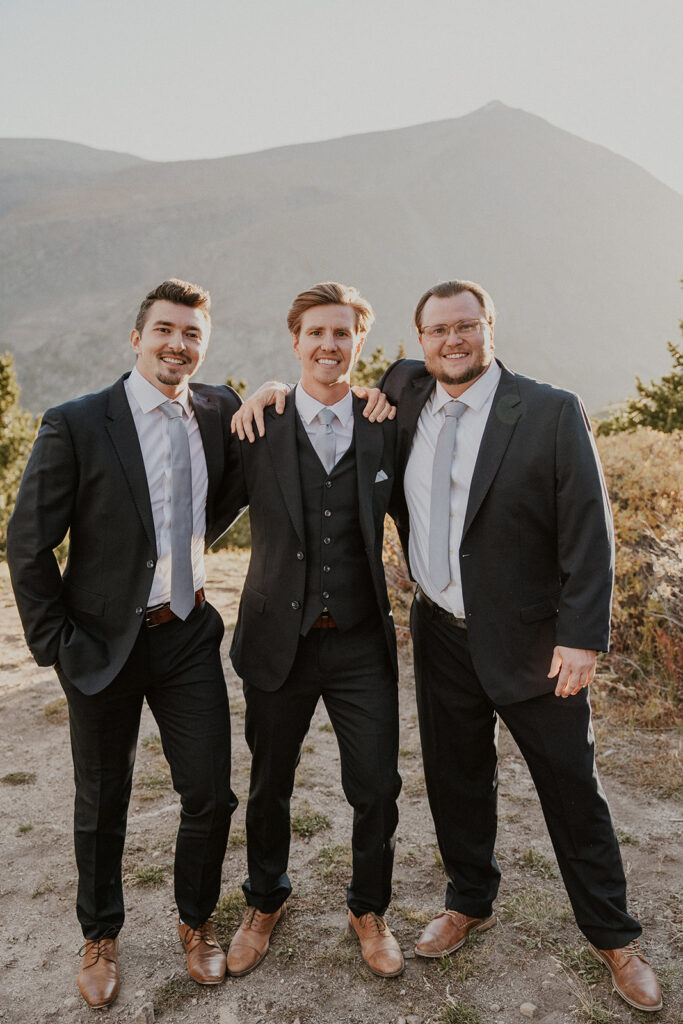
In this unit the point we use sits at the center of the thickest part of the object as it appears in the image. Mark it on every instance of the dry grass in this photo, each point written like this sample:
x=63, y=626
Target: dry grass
x=19, y=779
x=308, y=822
x=148, y=877
x=644, y=472
x=57, y=711
x=534, y=913
x=228, y=914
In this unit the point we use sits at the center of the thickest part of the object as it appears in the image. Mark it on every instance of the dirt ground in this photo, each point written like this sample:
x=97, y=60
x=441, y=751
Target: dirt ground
x=314, y=973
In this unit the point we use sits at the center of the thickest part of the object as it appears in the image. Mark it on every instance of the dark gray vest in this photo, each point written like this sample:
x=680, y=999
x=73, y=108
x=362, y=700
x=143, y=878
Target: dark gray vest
x=337, y=572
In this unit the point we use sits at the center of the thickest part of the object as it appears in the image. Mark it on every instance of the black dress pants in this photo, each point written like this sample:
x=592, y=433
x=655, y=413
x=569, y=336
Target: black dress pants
x=176, y=667
x=459, y=732
x=352, y=674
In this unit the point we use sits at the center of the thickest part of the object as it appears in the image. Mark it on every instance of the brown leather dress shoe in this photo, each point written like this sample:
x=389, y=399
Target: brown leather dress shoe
x=251, y=940
x=98, y=978
x=448, y=931
x=380, y=949
x=632, y=977
x=205, y=958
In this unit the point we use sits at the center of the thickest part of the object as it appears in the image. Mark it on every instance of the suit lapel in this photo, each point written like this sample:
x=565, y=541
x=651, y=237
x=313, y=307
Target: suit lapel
x=281, y=441
x=211, y=428
x=124, y=436
x=410, y=405
x=505, y=413
x=369, y=449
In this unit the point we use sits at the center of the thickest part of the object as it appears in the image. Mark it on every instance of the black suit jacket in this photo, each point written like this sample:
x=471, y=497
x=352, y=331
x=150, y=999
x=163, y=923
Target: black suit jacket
x=86, y=475
x=537, y=549
x=270, y=616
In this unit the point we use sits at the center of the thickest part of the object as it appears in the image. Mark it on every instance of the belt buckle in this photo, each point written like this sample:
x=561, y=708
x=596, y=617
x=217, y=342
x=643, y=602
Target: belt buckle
x=154, y=608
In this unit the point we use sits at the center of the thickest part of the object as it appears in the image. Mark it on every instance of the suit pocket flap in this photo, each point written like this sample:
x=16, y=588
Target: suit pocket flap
x=541, y=610
x=83, y=600
x=253, y=598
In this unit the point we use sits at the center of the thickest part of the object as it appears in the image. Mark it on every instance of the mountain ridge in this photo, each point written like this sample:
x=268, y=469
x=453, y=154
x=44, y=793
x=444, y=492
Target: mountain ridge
x=563, y=232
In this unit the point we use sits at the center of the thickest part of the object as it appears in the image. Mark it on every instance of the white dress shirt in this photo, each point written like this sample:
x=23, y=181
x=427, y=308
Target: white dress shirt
x=342, y=424
x=418, y=480
x=153, y=431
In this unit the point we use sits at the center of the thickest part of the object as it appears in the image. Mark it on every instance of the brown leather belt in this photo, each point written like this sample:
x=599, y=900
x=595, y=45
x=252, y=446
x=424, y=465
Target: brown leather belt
x=324, y=621
x=438, y=611
x=161, y=613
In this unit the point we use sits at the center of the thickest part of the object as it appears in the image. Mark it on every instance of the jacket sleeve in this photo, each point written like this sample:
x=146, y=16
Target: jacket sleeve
x=231, y=497
x=585, y=535
x=39, y=523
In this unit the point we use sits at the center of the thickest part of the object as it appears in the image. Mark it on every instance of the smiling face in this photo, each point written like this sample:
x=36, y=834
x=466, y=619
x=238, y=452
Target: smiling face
x=328, y=345
x=171, y=345
x=455, y=361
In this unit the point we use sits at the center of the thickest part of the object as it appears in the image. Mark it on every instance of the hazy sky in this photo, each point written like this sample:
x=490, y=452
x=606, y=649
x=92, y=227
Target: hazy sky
x=169, y=80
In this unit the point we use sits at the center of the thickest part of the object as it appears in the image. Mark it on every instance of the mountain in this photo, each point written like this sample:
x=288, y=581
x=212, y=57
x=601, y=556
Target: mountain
x=31, y=167
x=581, y=249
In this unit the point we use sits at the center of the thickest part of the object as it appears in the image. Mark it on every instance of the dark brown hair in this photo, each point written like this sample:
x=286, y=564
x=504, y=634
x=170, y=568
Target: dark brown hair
x=174, y=290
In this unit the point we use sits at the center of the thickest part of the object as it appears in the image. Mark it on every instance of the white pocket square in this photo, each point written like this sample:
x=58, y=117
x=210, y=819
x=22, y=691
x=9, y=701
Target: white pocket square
x=381, y=476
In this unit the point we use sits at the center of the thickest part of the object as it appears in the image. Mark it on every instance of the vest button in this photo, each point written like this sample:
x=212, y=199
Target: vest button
x=296, y=605
x=300, y=555
x=328, y=483
x=139, y=610
x=327, y=540
x=327, y=513
x=326, y=568
x=150, y=563
x=325, y=595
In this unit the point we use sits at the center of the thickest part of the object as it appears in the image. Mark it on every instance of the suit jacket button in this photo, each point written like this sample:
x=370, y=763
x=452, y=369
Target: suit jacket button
x=150, y=563
x=296, y=605
x=325, y=595
x=139, y=610
x=327, y=513
x=328, y=483
x=300, y=555
x=327, y=540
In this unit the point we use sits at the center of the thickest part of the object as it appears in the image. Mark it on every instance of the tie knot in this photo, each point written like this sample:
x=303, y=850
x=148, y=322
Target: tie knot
x=326, y=415
x=454, y=408
x=173, y=410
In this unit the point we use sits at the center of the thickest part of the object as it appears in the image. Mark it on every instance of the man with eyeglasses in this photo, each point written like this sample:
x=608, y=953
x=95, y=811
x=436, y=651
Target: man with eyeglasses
x=508, y=532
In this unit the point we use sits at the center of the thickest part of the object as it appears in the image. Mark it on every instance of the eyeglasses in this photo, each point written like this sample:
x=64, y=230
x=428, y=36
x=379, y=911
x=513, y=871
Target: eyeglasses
x=463, y=329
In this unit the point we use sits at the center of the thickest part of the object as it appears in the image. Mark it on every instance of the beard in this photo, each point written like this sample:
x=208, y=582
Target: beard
x=434, y=367
x=172, y=375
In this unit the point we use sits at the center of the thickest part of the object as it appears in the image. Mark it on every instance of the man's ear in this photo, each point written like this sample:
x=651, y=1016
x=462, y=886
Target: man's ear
x=135, y=341
x=295, y=346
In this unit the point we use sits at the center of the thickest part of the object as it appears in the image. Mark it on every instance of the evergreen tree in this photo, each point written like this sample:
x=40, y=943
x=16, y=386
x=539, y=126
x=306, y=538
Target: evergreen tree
x=368, y=371
x=659, y=404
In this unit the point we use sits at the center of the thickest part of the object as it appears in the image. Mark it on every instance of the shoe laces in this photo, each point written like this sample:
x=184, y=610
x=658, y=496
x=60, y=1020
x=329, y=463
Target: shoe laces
x=255, y=918
x=633, y=949
x=378, y=921
x=97, y=948
x=202, y=933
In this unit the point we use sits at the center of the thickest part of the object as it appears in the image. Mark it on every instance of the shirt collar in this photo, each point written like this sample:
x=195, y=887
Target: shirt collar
x=149, y=397
x=308, y=407
x=476, y=396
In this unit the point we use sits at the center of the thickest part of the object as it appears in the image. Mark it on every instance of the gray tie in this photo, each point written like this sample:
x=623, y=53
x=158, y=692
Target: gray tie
x=182, y=583
x=440, y=502
x=325, y=440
